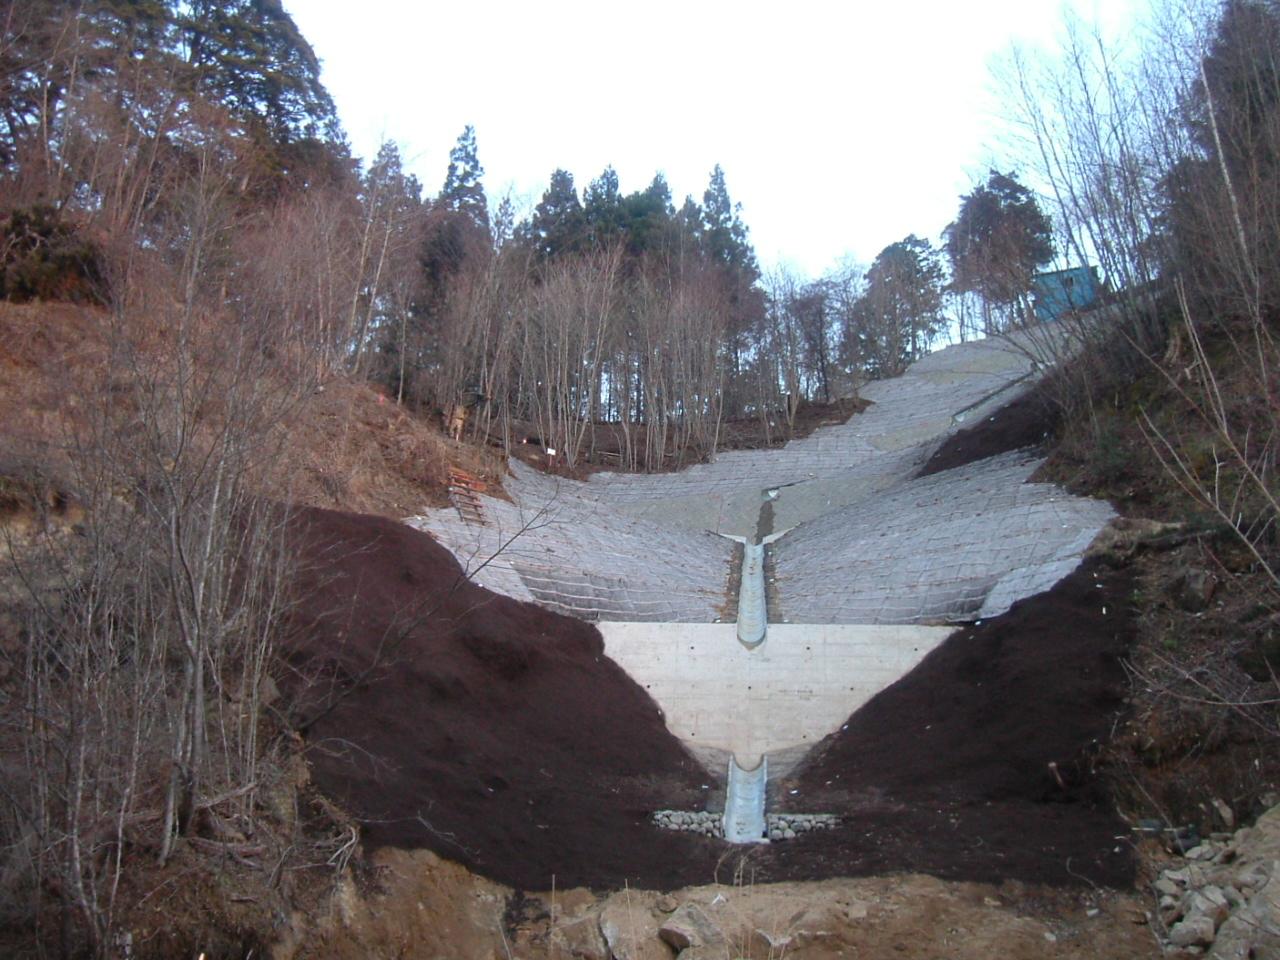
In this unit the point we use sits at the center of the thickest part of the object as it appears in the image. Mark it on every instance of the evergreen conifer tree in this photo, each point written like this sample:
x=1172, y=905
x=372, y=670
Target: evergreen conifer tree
x=998, y=240
x=557, y=225
x=463, y=191
x=724, y=232
x=602, y=207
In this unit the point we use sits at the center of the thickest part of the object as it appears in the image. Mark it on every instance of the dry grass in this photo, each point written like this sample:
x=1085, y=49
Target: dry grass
x=349, y=447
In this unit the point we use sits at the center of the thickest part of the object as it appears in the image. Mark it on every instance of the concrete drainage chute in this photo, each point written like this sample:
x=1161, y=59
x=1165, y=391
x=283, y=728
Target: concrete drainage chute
x=753, y=609
x=744, y=820
x=753, y=615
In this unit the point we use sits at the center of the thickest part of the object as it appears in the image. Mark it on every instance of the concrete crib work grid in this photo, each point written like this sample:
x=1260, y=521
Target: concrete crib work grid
x=554, y=545
x=953, y=546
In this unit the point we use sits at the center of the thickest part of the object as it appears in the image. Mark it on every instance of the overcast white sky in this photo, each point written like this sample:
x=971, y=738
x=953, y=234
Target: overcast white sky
x=841, y=127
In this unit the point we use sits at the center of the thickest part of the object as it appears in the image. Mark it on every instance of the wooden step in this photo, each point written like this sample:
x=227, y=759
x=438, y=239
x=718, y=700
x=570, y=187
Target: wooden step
x=464, y=494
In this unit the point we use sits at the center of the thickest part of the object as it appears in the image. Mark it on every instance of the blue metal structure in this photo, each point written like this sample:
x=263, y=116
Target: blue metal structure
x=1060, y=292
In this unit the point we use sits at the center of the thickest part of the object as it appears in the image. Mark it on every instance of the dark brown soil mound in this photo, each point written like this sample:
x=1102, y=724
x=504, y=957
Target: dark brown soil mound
x=499, y=735
x=979, y=763
x=1026, y=422
x=493, y=732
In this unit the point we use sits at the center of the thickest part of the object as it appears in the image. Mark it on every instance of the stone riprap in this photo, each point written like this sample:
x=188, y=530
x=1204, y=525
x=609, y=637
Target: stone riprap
x=778, y=826
x=707, y=823
x=788, y=826
x=1224, y=897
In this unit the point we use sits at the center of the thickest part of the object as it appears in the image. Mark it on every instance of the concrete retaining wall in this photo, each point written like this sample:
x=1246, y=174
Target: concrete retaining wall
x=792, y=690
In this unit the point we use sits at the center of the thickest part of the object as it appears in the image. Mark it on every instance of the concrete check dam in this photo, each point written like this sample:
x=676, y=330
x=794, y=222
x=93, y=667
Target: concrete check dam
x=762, y=598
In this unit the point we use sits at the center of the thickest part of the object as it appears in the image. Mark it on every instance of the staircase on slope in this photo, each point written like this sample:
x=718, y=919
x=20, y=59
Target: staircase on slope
x=464, y=494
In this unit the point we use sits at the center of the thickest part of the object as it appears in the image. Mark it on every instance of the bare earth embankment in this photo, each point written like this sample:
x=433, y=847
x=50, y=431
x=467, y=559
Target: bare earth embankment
x=497, y=734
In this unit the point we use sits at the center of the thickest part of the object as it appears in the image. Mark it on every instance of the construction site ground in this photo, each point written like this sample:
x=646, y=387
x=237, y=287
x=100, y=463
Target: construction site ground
x=412, y=904
x=460, y=724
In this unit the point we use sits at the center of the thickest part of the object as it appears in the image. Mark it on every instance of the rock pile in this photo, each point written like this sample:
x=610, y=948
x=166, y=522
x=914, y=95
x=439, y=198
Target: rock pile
x=707, y=824
x=788, y=826
x=1223, y=900
x=779, y=826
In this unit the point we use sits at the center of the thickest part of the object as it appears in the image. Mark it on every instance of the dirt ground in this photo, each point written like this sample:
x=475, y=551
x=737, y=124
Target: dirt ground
x=411, y=903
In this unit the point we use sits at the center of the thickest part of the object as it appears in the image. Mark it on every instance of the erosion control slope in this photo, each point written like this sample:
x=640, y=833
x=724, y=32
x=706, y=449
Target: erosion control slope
x=848, y=529
x=500, y=734
x=493, y=732
x=497, y=734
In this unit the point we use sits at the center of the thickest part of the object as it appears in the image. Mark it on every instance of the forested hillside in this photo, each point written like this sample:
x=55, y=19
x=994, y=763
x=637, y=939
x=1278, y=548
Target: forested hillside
x=214, y=312
x=199, y=138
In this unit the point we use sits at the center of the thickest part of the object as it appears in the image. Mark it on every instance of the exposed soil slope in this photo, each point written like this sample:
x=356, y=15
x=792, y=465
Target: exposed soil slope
x=348, y=446
x=493, y=732
x=1026, y=422
x=979, y=763
x=419, y=906
x=498, y=734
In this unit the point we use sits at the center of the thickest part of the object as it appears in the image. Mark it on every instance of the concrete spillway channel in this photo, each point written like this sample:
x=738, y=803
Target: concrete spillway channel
x=744, y=815
x=744, y=820
x=753, y=609
x=753, y=613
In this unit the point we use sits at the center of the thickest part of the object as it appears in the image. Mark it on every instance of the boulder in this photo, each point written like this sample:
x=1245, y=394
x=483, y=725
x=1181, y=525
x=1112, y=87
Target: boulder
x=769, y=943
x=1253, y=931
x=690, y=927
x=1202, y=852
x=1192, y=932
x=1263, y=840
x=1224, y=812
x=1253, y=876
x=1206, y=902
x=581, y=938
x=1196, y=590
x=628, y=928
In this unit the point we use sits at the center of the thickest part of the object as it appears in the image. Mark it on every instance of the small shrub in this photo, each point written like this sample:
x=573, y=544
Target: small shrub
x=1114, y=459
x=43, y=258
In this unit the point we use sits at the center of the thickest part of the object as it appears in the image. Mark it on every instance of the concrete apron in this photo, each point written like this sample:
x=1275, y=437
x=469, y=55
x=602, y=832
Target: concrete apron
x=717, y=694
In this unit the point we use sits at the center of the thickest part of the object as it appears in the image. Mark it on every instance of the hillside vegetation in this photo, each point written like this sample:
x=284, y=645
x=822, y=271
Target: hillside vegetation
x=214, y=316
